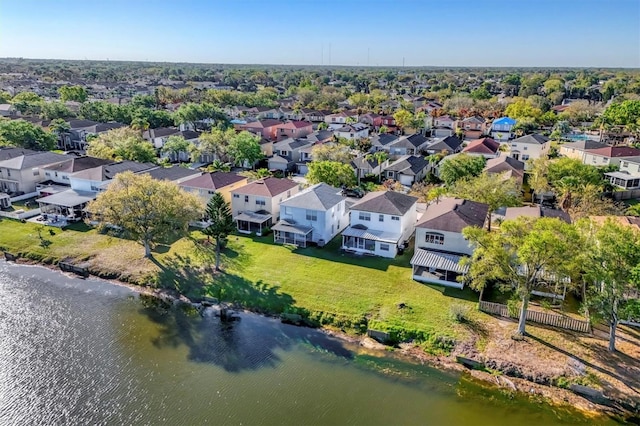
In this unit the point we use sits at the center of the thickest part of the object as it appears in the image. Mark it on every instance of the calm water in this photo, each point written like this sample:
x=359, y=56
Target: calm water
x=89, y=352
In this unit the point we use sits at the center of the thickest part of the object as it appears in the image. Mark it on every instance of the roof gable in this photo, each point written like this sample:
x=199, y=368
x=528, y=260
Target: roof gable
x=319, y=197
x=453, y=215
x=386, y=202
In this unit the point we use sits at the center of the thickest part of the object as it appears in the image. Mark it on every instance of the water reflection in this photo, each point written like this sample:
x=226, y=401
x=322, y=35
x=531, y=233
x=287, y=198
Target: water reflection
x=247, y=343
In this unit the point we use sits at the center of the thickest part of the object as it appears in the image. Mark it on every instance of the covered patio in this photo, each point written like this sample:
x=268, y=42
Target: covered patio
x=69, y=204
x=289, y=232
x=436, y=267
x=360, y=239
x=249, y=222
x=623, y=180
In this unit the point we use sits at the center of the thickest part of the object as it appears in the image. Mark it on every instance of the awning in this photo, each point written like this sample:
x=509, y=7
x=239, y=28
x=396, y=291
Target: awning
x=69, y=198
x=285, y=226
x=372, y=234
x=621, y=175
x=253, y=217
x=438, y=260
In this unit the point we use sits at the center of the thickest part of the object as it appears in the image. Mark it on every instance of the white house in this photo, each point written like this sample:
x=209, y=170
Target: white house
x=501, y=129
x=353, y=131
x=20, y=174
x=577, y=149
x=529, y=147
x=381, y=224
x=316, y=214
x=439, y=244
x=610, y=155
x=60, y=172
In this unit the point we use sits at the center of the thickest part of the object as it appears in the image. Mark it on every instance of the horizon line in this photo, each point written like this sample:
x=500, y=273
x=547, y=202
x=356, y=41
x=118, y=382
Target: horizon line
x=324, y=65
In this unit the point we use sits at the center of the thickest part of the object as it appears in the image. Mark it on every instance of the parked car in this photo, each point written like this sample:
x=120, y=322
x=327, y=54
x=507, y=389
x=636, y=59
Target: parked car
x=353, y=192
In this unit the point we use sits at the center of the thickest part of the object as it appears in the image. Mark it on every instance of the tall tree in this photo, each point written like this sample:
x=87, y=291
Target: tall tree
x=332, y=173
x=174, y=146
x=331, y=152
x=460, y=167
x=60, y=128
x=146, y=209
x=73, y=93
x=215, y=143
x=495, y=191
x=23, y=134
x=122, y=144
x=613, y=267
x=220, y=222
x=403, y=118
x=245, y=149
x=520, y=255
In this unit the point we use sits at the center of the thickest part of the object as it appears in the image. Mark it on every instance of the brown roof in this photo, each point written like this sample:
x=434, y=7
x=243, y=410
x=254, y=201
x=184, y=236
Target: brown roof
x=504, y=164
x=294, y=125
x=631, y=221
x=453, y=215
x=615, y=151
x=267, y=187
x=385, y=202
x=76, y=164
x=262, y=124
x=213, y=181
x=482, y=146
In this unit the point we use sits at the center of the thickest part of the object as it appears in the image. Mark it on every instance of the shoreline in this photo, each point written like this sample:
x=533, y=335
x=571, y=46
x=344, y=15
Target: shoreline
x=408, y=352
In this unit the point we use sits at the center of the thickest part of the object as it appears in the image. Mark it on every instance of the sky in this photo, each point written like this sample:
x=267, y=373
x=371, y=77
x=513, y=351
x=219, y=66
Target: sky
x=541, y=33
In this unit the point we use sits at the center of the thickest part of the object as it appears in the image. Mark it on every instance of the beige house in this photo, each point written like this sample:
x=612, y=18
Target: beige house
x=256, y=206
x=209, y=183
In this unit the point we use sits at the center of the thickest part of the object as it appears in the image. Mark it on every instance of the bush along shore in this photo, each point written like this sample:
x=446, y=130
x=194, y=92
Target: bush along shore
x=349, y=296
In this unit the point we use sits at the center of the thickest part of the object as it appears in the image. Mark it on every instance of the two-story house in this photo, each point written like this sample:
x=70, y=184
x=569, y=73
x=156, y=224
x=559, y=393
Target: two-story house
x=335, y=121
x=381, y=224
x=472, y=127
x=267, y=129
x=316, y=214
x=209, y=183
x=450, y=145
x=409, y=145
x=293, y=129
x=353, y=131
x=256, y=206
x=529, y=147
x=509, y=167
x=443, y=126
x=439, y=243
x=610, y=155
x=383, y=142
x=502, y=129
x=407, y=169
x=58, y=175
x=628, y=177
x=20, y=174
x=286, y=153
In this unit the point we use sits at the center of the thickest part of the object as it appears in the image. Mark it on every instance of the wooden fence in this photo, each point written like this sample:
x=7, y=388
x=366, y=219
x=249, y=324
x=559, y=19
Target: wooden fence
x=546, y=318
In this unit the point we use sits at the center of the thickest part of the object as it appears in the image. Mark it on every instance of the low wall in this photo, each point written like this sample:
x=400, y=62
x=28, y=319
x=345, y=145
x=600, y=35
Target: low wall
x=626, y=195
x=24, y=196
x=20, y=215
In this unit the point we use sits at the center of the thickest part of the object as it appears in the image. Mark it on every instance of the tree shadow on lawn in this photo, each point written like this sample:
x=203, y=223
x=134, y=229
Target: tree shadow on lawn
x=248, y=343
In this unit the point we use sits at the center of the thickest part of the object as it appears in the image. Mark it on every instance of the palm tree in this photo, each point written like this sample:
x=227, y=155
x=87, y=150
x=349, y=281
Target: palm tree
x=60, y=128
x=219, y=166
x=140, y=123
x=379, y=157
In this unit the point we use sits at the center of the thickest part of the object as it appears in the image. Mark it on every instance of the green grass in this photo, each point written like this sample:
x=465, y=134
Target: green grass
x=322, y=284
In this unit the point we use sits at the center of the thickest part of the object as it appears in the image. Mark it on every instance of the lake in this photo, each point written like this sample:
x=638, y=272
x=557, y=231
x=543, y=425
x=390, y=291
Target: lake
x=76, y=351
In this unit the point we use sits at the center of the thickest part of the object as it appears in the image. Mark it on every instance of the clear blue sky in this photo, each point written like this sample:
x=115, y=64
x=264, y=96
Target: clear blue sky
x=577, y=33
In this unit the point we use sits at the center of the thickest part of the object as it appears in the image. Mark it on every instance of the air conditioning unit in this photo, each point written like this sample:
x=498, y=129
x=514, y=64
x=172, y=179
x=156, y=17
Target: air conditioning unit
x=5, y=201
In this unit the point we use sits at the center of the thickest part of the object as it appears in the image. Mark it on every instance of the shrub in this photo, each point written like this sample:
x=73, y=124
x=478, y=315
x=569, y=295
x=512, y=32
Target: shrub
x=459, y=312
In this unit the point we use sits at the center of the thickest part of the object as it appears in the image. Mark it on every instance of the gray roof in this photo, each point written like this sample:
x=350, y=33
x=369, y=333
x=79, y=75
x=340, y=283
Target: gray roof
x=439, y=260
x=77, y=164
x=171, y=173
x=534, y=139
x=409, y=164
x=24, y=162
x=371, y=234
x=319, y=197
x=385, y=202
x=383, y=139
x=583, y=145
x=213, y=181
x=453, y=215
x=108, y=172
x=535, y=212
x=68, y=198
x=7, y=152
x=288, y=226
x=450, y=143
x=503, y=163
x=354, y=127
x=291, y=144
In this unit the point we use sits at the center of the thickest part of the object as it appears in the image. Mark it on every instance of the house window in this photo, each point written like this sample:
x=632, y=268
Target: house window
x=284, y=153
x=211, y=192
x=525, y=157
x=384, y=247
x=246, y=198
x=395, y=217
x=624, y=164
x=364, y=216
x=434, y=238
x=65, y=177
x=526, y=147
x=236, y=195
x=312, y=215
x=36, y=172
x=260, y=202
x=48, y=174
x=381, y=218
x=593, y=160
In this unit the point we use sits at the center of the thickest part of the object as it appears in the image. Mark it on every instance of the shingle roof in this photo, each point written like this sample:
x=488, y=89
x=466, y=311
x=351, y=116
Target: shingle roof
x=7, y=152
x=453, y=215
x=109, y=171
x=409, y=164
x=23, y=162
x=584, y=145
x=171, y=173
x=450, y=143
x=535, y=211
x=77, y=164
x=319, y=197
x=504, y=164
x=534, y=139
x=383, y=139
x=615, y=151
x=291, y=144
x=385, y=202
x=294, y=125
x=482, y=146
x=267, y=187
x=213, y=181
